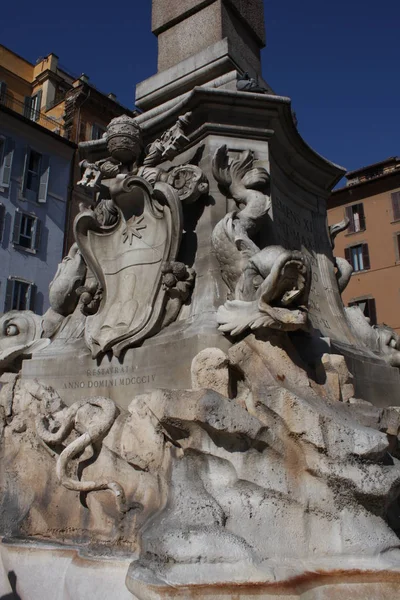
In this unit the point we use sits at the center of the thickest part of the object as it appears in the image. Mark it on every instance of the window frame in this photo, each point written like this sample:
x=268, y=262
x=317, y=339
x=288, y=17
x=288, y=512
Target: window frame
x=395, y=205
x=366, y=263
x=33, y=105
x=30, y=293
x=101, y=130
x=2, y=220
x=35, y=236
x=6, y=161
x=350, y=215
x=38, y=196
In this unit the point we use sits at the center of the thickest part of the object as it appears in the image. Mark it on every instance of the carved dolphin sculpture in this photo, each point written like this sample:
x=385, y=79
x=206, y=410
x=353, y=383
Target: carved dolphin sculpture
x=20, y=336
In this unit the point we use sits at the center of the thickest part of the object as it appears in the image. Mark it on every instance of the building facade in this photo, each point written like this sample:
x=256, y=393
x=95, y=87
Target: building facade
x=371, y=203
x=45, y=111
x=35, y=186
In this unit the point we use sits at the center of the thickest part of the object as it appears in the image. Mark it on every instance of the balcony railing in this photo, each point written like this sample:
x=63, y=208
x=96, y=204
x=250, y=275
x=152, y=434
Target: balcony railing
x=30, y=113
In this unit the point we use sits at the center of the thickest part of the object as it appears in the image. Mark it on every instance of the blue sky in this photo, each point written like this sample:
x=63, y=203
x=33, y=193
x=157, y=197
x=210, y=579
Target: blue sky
x=338, y=61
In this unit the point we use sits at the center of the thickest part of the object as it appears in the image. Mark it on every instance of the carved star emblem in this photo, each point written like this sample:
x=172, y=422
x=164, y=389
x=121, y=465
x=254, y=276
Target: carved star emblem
x=132, y=230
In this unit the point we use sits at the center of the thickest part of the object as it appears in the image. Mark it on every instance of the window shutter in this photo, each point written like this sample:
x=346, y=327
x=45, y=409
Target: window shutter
x=44, y=178
x=361, y=215
x=38, y=95
x=25, y=173
x=37, y=234
x=2, y=215
x=30, y=297
x=28, y=107
x=396, y=206
x=365, y=255
x=17, y=227
x=350, y=216
x=347, y=255
x=5, y=173
x=3, y=91
x=372, y=310
x=9, y=294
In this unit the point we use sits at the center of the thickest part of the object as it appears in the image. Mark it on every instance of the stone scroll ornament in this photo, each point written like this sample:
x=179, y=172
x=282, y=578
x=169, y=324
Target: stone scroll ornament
x=268, y=286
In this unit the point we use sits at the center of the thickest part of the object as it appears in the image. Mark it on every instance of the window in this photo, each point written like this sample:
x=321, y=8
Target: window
x=3, y=91
x=2, y=219
x=6, y=159
x=396, y=206
x=82, y=131
x=355, y=214
x=33, y=171
x=368, y=307
x=358, y=257
x=26, y=231
x=20, y=294
x=35, y=178
x=32, y=106
x=97, y=131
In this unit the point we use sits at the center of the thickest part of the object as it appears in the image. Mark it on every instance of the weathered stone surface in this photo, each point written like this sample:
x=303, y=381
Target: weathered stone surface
x=210, y=370
x=258, y=460
x=183, y=31
x=164, y=15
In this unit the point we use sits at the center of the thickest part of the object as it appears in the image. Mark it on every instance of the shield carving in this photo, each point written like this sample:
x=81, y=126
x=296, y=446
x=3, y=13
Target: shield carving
x=127, y=259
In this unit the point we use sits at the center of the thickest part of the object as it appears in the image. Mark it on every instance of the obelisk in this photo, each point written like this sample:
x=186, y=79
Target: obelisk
x=204, y=43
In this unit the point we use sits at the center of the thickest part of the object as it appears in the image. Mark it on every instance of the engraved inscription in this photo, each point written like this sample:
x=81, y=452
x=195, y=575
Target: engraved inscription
x=109, y=383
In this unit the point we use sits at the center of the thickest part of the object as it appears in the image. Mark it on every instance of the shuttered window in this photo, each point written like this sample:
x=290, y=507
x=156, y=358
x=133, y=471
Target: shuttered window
x=358, y=257
x=368, y=307
x=396, y=206
x=356, y=216
x=2, y=220
x=97, y=132
x=20, y=294
x=27, y=231
x=6, y=159
x=35, y=177
x=32, y=106
x=3, y=92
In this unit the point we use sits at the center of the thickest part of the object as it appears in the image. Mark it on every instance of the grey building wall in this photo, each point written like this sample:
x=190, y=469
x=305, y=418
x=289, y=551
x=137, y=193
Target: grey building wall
x=34, y=190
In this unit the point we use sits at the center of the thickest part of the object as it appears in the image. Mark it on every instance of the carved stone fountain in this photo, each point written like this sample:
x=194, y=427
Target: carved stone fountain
x=197, y=415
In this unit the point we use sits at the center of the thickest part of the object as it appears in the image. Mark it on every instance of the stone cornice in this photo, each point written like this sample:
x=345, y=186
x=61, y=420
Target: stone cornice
x=236, y=112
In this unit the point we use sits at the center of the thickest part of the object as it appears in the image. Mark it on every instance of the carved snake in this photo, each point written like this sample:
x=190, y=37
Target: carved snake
x=95, y=430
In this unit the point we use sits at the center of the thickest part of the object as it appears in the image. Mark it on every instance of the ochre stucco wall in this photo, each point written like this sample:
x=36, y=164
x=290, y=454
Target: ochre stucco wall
x=382, y=280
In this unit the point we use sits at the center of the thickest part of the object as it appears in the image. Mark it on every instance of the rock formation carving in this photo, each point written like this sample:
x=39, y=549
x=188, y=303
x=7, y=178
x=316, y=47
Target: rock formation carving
x=266, y=468
x=269, y=287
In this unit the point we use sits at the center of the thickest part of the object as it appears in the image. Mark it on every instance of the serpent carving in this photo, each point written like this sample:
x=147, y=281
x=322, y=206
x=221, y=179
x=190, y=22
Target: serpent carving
x=92, y=427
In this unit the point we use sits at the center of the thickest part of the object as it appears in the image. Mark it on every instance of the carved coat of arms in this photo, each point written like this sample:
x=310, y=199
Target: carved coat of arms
x=127, y=260
x=130, y=240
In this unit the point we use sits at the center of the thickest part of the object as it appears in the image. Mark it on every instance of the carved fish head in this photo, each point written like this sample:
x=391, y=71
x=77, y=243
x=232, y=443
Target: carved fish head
x=20, y=333
x=277, y=275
